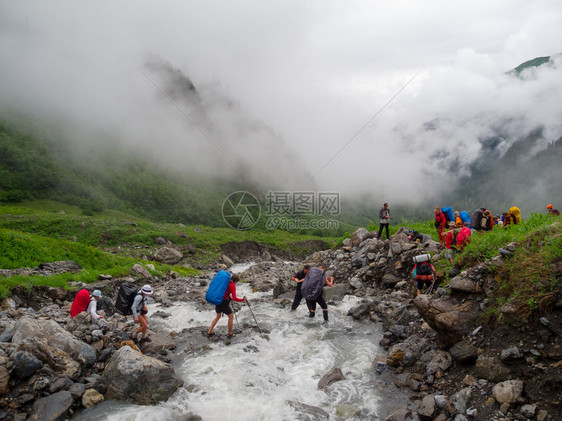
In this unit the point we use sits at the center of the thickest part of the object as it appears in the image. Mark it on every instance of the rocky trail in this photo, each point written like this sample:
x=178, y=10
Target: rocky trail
x=439, y=359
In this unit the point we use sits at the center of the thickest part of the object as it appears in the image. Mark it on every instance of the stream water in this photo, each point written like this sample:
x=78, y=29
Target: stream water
x=257, y=376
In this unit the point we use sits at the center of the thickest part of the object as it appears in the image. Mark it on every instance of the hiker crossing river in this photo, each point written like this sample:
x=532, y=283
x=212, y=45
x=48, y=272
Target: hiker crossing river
x=266, y=376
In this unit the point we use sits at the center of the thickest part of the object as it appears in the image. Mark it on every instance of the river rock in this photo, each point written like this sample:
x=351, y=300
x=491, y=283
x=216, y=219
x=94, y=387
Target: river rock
x=348, y=411
x=133, y=377
x=309, y=411
x=335, y=293
x=333, y=376
x=140, y=271
x=56, y=336
x=491, y=368
x=508, y=391
x=25, y=364
x=91, y=397
x=168, y=255
x=441, y=362
x=464, y=352
x=51, y=408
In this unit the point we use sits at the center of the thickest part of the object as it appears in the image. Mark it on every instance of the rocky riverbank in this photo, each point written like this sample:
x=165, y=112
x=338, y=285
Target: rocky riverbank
x=441, y=354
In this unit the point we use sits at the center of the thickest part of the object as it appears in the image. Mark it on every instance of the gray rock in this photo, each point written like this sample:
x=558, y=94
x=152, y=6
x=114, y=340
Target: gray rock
x=458, y=403
x=508, y=391
x=348, y=411
x=55, y=336
x=402, y=414
x=140, y=271
x=464, y=352
x=510, y=354
x=441, y=362
x=440, y=401
x=168, y=255
x=427, y=408
x=77, y=390
x=390, y=280
x=463, y=284
x=25, y=364
x=491, y=368
x=51, y=408
x=333, y=376
x=132, y=377
x=528, y=410
x=336, y=293
x=358, y=236
x=356, y=283
x=308, y=411
x=396, y=248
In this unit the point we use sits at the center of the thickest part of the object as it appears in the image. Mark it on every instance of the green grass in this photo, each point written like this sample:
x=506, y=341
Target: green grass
x=21, y=250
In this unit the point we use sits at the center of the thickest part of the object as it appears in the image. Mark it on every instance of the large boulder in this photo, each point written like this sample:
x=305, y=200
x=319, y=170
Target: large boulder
x=358, y=236
x=52, y=333
x=168, y=255
x=335, y=293
x=25, y=364
x=133, y=377
x=52, y=408
x=451, y=320
x=57, y=359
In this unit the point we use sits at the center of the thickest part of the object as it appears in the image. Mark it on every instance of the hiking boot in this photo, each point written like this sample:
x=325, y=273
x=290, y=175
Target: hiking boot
x=311, y=314
x=325, y=317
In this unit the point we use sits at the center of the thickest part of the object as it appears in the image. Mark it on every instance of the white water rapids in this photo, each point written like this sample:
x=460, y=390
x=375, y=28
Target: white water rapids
x=255, y=376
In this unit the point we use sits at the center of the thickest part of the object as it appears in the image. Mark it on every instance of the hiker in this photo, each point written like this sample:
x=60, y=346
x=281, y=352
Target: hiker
x=140, y=311
x=224, y=307
x=423, y=273
x=313, y=288
x=440, y=224
x=497, y=221
x=83, y=301
x=384, y=220
x=92, y=306
x=458, y=220
x=463, y=237
x=299, y=278
x=450, y=242
x=487, y=221
x=552, y=211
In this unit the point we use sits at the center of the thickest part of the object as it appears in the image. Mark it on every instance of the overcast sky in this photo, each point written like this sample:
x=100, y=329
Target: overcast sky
x=315, y=72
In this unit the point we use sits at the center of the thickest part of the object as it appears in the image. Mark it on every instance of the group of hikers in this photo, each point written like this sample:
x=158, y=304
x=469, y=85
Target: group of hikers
x=86, y=302
x=453, y=228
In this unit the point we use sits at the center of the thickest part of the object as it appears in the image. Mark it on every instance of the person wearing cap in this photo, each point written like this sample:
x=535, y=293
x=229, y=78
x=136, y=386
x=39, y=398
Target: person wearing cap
x=83, y=301
x=224, y=307
x=140, y=311
x=92, y=306
x=552, y=211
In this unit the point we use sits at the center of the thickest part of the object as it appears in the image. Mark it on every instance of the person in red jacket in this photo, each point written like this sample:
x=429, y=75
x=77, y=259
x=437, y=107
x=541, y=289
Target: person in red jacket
x=80, y=302
x=463, y=237
x=440, y=224
x=224, y=307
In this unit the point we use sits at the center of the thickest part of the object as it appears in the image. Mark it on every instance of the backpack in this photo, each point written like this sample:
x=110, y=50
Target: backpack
x=218, y=287
x=125, y=298
x=449, y=215
x=516, y=214
x=423, y=268
x=476, y=219
x=415, y=236
x=313, y=284
x=465, y=216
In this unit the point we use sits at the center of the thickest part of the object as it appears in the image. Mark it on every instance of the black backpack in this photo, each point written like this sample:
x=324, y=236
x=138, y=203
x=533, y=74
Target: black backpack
x=423, y=268
x=313, y=283
x=125, y=298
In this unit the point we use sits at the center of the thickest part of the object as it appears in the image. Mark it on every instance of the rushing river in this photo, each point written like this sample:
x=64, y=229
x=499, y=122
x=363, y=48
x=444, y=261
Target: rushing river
x=255, y=376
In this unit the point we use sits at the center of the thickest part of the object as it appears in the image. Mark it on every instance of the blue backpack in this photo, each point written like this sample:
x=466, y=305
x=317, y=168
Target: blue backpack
x=465, y=216
x=218, y=287
x=448, y=212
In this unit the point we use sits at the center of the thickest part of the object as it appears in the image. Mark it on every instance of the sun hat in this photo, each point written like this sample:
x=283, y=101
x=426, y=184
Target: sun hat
x=147, y=289
x=96, y=293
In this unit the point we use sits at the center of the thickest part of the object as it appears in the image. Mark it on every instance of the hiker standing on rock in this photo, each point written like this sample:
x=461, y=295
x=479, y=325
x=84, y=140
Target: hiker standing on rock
x=299, y=278
x=224, y=307
x=312, y=289
x=140, y=311
x=384, y=220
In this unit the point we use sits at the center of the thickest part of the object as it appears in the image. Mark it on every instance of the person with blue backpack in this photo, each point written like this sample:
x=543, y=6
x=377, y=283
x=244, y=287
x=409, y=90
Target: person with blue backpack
x=220, y=281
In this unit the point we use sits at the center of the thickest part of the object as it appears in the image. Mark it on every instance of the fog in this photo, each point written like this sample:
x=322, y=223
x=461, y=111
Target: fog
x=282, y=86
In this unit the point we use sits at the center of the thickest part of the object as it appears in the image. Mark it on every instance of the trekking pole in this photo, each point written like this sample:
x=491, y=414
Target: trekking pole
x=253, y=316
